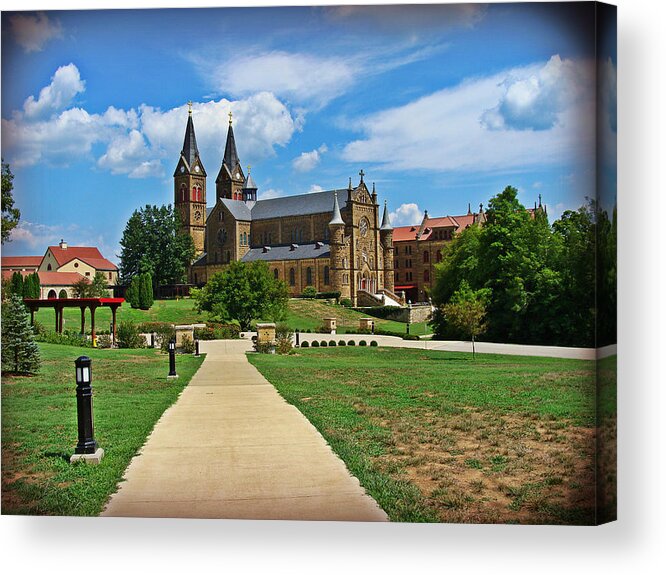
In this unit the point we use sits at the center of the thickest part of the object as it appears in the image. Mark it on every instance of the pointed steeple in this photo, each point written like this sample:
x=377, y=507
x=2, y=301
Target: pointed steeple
x=337, y=216
x=230, y=153
x=469, y=209
x=190, y=151
x=249, y=188
x=386, y=221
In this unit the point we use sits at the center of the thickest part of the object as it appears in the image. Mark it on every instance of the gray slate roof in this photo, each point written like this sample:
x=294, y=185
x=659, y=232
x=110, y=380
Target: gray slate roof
x=302, y=252
x=238, y=209
x=300, y=205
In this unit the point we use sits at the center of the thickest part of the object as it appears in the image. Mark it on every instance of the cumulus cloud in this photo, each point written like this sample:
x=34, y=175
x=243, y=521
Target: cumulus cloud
x=270, y=193
x=406, y=215
x=138, y=142
x=309, y=160
x=300, y=78
x=32, y=32
x=65, y=84
x=535, y=101
x=35, y=235
x=315, y=189
x=442, y=131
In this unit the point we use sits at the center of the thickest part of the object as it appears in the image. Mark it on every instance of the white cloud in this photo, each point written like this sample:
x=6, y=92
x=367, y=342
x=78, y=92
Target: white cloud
x=301, y=78
x=270, y=193
x=36, y=236
x=58, y=95
x=309, y=160
x=406, y=215
x=536, y=100
x=315, y=189
x=442, y=131
x=138, y=142
x=32, y=32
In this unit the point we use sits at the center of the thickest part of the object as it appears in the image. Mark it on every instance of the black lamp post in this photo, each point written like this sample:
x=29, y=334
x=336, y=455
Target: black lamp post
x=84, y=407
x=196, y=347
x=298, y=338
x=172, y=359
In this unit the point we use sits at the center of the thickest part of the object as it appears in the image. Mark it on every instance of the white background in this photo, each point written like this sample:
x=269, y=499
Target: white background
x=634, y=544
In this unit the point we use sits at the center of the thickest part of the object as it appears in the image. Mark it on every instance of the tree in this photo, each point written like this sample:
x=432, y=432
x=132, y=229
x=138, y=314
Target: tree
x=151, y=243
x=81, y=288
x=243, y=292
x=10, y=214
x=145, y=288
x=17, y=284
x=31, y=286
x=466, y=312
x=20, y=353
x=99, y=286
x=132, y=293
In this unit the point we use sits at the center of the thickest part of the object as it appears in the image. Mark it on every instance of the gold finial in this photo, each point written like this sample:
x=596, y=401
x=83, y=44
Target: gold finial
x=249, y=167
x=189, y=104
x=230, y=117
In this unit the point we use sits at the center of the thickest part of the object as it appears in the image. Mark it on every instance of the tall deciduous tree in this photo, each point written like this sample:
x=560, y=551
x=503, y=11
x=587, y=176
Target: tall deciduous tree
x=20, y=353
x=10, y=214
x=243, y=292
x=151, y=243
x=466, y=312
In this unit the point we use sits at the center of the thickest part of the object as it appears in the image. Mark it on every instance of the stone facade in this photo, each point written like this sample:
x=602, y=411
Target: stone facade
x=332, y=241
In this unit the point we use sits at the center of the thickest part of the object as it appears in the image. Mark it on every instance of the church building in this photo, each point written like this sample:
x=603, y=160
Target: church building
x=334, y=241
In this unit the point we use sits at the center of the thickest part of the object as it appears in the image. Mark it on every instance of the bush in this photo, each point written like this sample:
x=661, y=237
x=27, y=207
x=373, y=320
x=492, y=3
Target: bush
x=351, y=342
x=346, y=302
x=328, y=295
x=305, y=344
x=315, y=343
x=309, y=292
x=323, y=343
x=373, y=343
x=66, y=338
x=332, y=343
x=263, y=347
x=39, y=329
x=104, y=341
x=187, y=344
x=410, y=336
x=217, y=331
x=363, y=342
x=342, y=342
x=283, y=346
x=129, y=337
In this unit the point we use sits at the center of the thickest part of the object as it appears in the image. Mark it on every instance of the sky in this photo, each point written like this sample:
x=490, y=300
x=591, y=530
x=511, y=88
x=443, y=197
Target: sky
x=440, y=105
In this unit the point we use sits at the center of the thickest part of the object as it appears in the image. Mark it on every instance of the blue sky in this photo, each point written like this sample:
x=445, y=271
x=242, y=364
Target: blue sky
x=440, y=105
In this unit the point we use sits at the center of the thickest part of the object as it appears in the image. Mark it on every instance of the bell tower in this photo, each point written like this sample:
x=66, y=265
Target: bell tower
x=230, y=180
x=189, y=184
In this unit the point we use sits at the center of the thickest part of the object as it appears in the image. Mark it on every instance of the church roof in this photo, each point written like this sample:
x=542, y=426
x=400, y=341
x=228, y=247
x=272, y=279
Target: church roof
x=190, y=150
x=289, y=252
x=301, y=205
x=239, y=209
x=89, y=255
x=249, y=183
x=230, y=153
x=337, y=217
x=386, y=220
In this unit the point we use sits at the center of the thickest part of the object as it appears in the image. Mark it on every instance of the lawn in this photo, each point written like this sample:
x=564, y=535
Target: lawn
x=437, y=436
x=39, y=426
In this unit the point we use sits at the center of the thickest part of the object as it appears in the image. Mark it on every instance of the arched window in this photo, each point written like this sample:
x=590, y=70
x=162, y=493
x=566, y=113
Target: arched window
x=62, y=294
x=292, y=277
x=426, y=276
x=327, y=275
x=308, y=276
x=183, y=193
x=276, y=273
x=52, y=294
x=426, y=257
x=49, y=268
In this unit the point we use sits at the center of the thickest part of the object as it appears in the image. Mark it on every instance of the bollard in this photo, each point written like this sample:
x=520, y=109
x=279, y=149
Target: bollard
x=172, y=359
x=196, y=347
x=298, y=338
x=86, y=448
x=372, y=327
x=152, y=340
x=407, y=328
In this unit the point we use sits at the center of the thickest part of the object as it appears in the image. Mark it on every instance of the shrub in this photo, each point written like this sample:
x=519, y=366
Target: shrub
x=309, y=292
x=363, y=342
x=315, y=343
x=342, y=342
x=351, y=342
x=187, y=344
x=305, y=344
x=332, y=343
x=373, y=343
x=323, y=343
x=283, y=346
x=65, y=338
x=39, y=329
x=204, y=334
x=225, y=330
x=104, y=341
x=129, y=337
x=346, y=302
x=410, y=336
x=328, y=295
x=263, y=347
x=164, y=333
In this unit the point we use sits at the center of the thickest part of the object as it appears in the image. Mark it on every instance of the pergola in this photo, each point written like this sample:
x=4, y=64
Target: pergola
x=90, y=302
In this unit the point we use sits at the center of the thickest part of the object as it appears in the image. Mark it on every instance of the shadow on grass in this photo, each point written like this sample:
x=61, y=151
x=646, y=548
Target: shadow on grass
x=58, y=455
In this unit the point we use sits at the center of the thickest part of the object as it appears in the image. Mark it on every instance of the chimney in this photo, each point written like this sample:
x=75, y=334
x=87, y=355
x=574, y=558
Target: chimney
x=63, y=244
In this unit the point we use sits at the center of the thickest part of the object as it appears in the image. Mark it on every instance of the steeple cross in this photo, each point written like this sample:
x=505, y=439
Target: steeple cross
x=361, y=173
x=189, y=104
x=230, y=117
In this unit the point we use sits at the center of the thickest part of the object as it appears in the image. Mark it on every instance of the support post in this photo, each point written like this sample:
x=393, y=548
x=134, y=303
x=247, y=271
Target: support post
x=92, y=325
x=32, y=316
x=114, y=308
x=86, y=448
x=83, y=320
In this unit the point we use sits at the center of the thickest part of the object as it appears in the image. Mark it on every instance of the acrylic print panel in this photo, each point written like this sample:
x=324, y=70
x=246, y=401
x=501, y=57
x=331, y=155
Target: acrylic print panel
x=359, y=265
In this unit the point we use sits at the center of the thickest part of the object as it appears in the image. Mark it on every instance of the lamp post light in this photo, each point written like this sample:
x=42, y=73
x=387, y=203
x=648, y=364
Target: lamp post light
x=298, y=338
x=196, y=347
x=172, y=359
x=86, y=448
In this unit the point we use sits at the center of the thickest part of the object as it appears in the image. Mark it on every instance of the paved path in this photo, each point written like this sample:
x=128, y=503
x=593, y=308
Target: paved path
x=231, y=447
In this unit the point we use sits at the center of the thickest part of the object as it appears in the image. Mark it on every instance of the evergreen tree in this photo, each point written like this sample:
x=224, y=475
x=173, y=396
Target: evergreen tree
x=132, y=294
x=10, y=214
x=20, y=353
x=99, y=286
x=17, y=284
x=36, y=286
x=31, y=286
x=145, y=291
x=150, y=298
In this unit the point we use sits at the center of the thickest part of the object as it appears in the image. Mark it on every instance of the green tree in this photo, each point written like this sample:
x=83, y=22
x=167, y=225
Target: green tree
x=33, y=290
x=243, y=292
x=81, y=288
x=20, y=353
x=151, y=243
x=145, y=287
x=17, y=284
x=132, y=293
x=466, y=312
x=10, y=214
x=99, y=286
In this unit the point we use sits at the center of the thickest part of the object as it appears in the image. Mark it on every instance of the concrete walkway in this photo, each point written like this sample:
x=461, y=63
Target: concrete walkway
x=231, y=447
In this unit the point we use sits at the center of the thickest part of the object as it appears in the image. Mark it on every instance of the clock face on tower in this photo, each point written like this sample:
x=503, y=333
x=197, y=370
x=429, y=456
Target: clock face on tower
x=363, y=227
x=182, y=169
x=221, y=236
x=196, y=168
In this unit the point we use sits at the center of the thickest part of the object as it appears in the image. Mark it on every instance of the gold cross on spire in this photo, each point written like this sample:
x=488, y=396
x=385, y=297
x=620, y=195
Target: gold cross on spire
x=249, y=167
x=230, y=117
x=189, y=104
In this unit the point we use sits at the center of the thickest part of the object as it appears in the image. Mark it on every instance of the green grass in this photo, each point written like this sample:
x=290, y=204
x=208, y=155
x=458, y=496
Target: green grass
x=39, y=426
x=437, y=436
x=175, y=311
